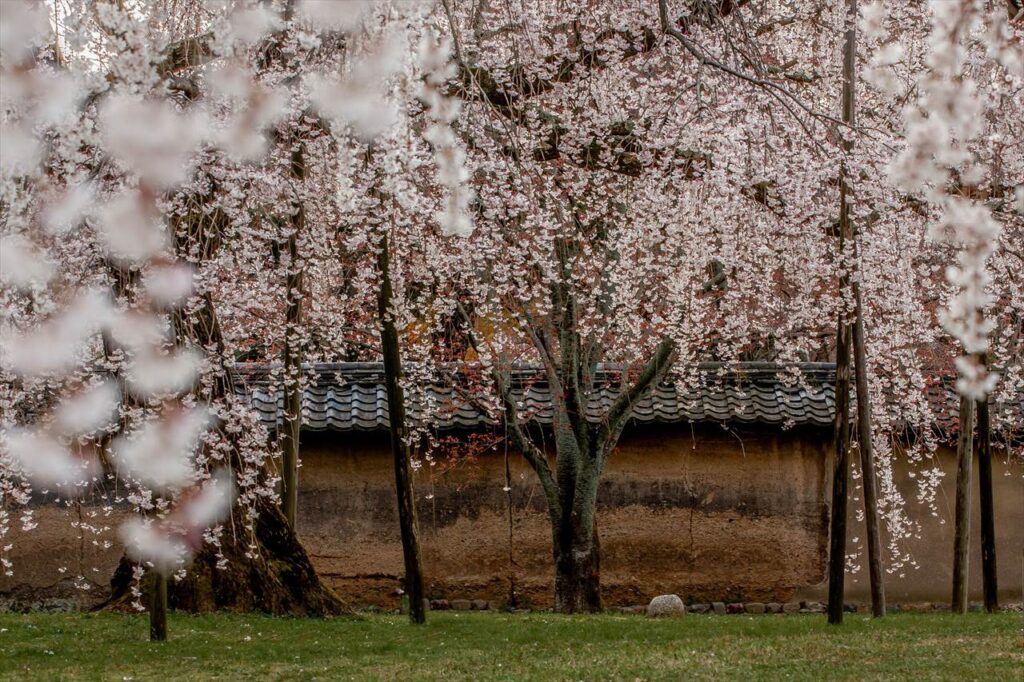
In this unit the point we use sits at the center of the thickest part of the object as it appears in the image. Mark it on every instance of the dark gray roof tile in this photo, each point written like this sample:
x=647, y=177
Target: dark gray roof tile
x=352, y=397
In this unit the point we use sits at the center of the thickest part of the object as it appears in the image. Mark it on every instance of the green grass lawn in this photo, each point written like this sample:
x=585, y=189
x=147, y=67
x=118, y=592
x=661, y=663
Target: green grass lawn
x=492, y=646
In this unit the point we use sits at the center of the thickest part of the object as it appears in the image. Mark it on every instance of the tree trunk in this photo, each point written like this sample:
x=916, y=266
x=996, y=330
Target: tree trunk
x=867, y=462
x=577, y=570
x=399, y=446
x=279, y=580
x=158, y=608
x=985, y=498
x=841, y=439
x=962, y=529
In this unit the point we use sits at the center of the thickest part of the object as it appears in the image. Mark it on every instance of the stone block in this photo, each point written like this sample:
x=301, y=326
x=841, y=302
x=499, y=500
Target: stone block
x=666, y=605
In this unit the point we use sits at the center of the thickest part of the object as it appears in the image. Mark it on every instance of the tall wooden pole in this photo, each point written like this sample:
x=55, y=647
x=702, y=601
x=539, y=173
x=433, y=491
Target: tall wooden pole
x=864, y=435
x=292, y=354
x=988, y=529
x=158, y=608
x=399, y=446
x=841, y=437
x=962, y=528
x=292, y=388
x=867, y=463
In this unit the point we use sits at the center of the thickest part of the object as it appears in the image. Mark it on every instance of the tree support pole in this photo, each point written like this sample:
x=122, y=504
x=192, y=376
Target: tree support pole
x=399, y=446
x=841, y=436
x=985, y=499
x=867, y=462
x=292, y=388
x=962, y=530
x=158, y=608
x=292, y=355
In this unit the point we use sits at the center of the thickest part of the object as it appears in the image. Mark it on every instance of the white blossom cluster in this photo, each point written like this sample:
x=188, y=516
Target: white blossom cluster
x=941, y=162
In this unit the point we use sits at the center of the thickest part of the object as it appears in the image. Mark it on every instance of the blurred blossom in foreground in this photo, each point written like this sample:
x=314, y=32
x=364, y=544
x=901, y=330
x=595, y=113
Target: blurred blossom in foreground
x=170, y=284
x=54, y=345
x=19, y=150
x=23, y=25
x=22, y=265
x=161, y=374
x=159, y=452
x=67, y=211
x=331, y=15
x=168, y=544
x=47, y=462
x=88, y=411
x=358, y=98
x=130, y=230
x=151, y=138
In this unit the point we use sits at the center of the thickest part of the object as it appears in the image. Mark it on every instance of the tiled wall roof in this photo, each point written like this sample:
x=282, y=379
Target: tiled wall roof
x=351, y=396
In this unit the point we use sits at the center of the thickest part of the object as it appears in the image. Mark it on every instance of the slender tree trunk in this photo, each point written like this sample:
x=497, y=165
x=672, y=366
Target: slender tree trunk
x=399, y=446
x=867, y=462
x=988, y=530
x=158, y=609
x=292, y=359
x=292, y=382
x=962, y=529
x=841, y=439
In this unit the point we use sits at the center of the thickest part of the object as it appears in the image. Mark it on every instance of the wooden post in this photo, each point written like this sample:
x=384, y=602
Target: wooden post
x=158, y=608
x=962, y=529
x=867, y=463
x=292, y=353
x=864, y=435
x=988, y=531
x=399, y=446
x=292, y=387
x=841, y=436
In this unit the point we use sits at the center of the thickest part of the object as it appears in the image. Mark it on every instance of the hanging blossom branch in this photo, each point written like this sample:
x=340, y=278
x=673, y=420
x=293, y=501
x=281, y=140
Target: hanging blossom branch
x=948, y=116
x=450, y=158
x=105, y=340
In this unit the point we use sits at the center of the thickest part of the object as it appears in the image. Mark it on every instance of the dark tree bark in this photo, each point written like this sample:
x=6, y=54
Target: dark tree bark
x=158, y=608
x=266, y=570
x=577, y=569
x=840, y=477
x=985, y=498
x=962, y=527
x=399, y=444
x=841, y=439
x=279, y=580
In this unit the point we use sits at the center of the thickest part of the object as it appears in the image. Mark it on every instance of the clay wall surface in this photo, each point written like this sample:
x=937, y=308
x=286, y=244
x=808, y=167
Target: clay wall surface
x=928, y=576
x=703, y=512
x=708, y=513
